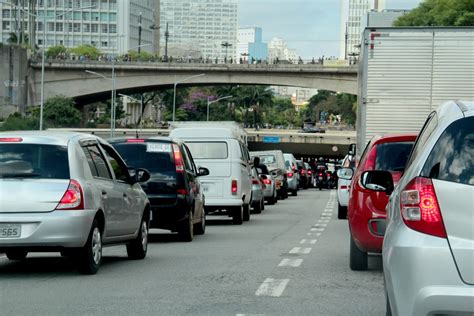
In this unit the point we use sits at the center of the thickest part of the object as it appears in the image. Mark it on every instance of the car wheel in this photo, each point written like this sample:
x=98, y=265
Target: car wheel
x=341, y=211
x=295, y=192
x=262, y=204
x=257, y=208
x=138, y=247
x=90, y=256
x=186, y=231
x=200, y=228
x=358, y=259
x=237, y=215
x=246, y=216
x=16, y=254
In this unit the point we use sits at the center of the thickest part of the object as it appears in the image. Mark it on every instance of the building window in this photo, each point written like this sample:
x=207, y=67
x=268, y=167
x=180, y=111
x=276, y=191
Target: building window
x=87, y=28
x=5, y=13
x=6, y=25
x=59, y=27
x=112, y=29
x=103, y=44
x=95, y=28
x=104, y=28
x=77, y=27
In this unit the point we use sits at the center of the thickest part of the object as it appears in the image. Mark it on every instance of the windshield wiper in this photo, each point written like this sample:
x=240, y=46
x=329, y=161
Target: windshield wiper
x=19, y=175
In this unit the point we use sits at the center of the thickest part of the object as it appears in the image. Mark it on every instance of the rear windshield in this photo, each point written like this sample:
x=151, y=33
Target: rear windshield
x=268, y=159
x=156, y=157
x=208, y=150
x=392, y=156
x=34, y=161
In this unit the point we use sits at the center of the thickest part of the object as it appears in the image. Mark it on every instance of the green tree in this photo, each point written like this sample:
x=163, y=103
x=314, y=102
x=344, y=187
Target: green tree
x=54, y=51
x=439, y=13
x=18, y=122
x=60, y=111
x=13, y=38
x=86, y=50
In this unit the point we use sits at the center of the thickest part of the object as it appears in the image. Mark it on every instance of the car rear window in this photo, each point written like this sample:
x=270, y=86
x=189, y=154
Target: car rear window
x=268, y=159
x=452, y=158
x=156, y=157
x=34, y=161
x=392, y=156
x=208, y=150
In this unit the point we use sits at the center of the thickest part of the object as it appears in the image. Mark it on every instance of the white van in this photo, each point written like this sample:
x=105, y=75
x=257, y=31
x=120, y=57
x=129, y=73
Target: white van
x=223, y=150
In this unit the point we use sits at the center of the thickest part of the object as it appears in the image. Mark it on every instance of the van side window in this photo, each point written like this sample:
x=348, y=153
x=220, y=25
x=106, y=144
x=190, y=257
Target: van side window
x=190, y=157
x=187, y=162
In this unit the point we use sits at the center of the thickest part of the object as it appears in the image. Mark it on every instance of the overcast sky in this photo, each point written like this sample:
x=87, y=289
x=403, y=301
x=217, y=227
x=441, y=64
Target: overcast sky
x=312, y=27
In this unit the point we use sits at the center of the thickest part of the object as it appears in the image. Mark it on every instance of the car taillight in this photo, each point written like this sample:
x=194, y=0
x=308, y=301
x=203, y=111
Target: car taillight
x=178, y=159
x=310, y=172
x=420, y=208
x=233, y=187
x=72, y=198
x=255, y=182
x=11, y=140
x=370, y=163
x=302, y=172
x=290, y=174
x=320, y=174
x=181, y=191
x=267, y=181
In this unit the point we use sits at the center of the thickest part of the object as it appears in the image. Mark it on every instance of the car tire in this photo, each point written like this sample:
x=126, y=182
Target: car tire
x=295, y=193
x=262, y=204
x=16, y=254
x=246, y=215
x=358, y=260
x=237, y=215
x=90, y=256
x=200, y=228
x=137, y=249
x=186, y=230
x=257, y=208
x=341, y=211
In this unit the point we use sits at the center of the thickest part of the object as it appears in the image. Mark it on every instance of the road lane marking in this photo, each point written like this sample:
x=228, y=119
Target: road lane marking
x=272, y=287
x=300, y=250
x=320, y=225
x=327, y=210
x=309, y=234
x=318, y=234
x=317, y=229
x=308, y=241
x=294, y=263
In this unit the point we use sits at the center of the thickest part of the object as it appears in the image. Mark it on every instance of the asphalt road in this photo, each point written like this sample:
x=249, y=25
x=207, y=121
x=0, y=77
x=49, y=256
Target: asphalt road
x=290, y=260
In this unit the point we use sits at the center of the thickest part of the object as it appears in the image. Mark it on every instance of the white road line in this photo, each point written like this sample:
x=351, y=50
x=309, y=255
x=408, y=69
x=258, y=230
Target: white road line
x=318, y=234
x=309, y=234
x=272, y=287
x=326, y=216
x=294, y=263
x=308, y=241
x=320, y=225
x=300, y=250
x=317, y=229
x=327, y=210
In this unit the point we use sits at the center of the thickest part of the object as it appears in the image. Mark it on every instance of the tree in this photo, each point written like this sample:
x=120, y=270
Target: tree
x=89, y=51
x=55, y=51
x=439, y=13
x=13, y=38
x=60, y=111
x=18, y=122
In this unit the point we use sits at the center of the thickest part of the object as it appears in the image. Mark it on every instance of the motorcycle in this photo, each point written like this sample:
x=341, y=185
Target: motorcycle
x=332, y=180
x=321, y=180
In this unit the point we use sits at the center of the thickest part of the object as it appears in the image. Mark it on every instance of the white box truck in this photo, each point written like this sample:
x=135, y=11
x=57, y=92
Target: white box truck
x=405, y=73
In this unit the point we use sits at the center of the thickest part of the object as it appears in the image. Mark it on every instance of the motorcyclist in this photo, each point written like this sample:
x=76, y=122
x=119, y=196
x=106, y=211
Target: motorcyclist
x=321, y=168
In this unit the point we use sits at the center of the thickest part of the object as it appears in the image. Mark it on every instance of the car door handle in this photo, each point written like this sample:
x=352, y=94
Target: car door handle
x=104, y=194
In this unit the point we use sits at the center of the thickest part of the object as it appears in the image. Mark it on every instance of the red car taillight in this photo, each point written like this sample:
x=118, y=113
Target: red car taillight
x=178, y=159
x=255, y=182
x=320, y=174
x=135, y=140
x=234, y=187
x=267, y=181
x=310, y=172
x=290, y=174
x=420, y=208
x=11, y=140
x=72, y=198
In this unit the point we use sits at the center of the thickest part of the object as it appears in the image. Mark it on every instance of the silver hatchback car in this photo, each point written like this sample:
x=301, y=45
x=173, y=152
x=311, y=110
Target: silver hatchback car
x=72, y=193
x=428, y=250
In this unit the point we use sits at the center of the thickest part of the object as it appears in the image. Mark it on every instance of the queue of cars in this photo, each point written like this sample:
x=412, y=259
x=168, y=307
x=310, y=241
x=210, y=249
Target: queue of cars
x=411, y=198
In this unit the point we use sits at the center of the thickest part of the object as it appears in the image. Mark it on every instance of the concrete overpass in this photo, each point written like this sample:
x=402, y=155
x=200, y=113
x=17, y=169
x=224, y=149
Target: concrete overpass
x=333, y=144
x=70, y=79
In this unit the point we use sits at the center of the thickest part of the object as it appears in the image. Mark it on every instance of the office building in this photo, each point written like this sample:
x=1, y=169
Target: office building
x=110, y=25
x=277, y=48
x=200, y=28
x=250, y=45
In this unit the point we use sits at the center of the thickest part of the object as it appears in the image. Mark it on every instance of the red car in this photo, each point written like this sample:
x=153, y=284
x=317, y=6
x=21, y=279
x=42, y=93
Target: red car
x=366, y=208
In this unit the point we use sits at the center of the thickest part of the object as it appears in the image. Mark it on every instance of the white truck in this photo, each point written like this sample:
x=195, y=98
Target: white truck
x=405, y=73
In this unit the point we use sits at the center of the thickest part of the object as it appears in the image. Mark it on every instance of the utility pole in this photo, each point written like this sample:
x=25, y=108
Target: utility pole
x=139, y=33
x=167, y=35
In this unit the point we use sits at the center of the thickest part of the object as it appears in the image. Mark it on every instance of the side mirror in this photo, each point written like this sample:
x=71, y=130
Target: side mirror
x=352, y=149
x=202, y=172
x=345, y=173
x=138, y=175
x=377, y=180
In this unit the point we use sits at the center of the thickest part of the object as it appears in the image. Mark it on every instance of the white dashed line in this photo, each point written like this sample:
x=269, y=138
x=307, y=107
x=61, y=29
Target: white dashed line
x=300, y=250
x=320, y=225
x=308, y=241
x=309, y=234
x=294, y=263
x=317, y=229
x=272, y=287
x=327, y=210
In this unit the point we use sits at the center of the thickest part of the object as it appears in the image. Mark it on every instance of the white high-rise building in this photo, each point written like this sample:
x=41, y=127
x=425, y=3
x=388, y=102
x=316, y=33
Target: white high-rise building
x=277, y=48
x=110, y=25
x=200, y=28
x=352, y=14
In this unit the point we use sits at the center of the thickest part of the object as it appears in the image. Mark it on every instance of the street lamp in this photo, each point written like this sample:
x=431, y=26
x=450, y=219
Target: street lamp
x=209, y=102
x=226, y=45
x=174, y=91
x=44, y=17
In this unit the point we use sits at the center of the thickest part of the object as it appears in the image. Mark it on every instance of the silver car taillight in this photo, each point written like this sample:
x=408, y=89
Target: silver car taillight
x=72, y=198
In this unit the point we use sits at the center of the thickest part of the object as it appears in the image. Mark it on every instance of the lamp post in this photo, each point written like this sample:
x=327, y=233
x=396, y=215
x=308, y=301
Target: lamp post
x=167, y=35
x=209, y=102
x=226, y=45
x=174, y=91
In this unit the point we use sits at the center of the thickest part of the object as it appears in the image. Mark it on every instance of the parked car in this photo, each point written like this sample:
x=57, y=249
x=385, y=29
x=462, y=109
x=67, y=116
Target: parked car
x=293, y=176
x=258, y=198
x=343, y=188
x=304, y=179
x=223, y=150
x=174, y=189
x=366, y=209
x=70, y=193
x=275, y=163
x=428, y=251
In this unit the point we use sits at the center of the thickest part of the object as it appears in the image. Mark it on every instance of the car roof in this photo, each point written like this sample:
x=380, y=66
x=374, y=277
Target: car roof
x=152, y=138
x=47, y=137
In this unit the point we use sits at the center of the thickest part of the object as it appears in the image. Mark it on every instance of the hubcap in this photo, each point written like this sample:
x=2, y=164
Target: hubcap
x=144, y=233
x=96, y=245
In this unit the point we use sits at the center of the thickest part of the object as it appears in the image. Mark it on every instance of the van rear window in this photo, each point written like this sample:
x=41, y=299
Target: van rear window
x=34, y=161
x=208, y=150
x=392, y=156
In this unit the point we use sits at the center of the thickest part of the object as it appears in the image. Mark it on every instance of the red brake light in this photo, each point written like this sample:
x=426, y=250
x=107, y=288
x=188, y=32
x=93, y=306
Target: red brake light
x=267, y=181
x=234, y=188
x=11, y=140
x=135, y=140
x=320, y=174
x=72, y=198
x=255, y=182
x=178, y=159
x=181, y=192
x=370, y=163
x=420, y=208
x=310, y=172
x=302, y=172
x=290, y=174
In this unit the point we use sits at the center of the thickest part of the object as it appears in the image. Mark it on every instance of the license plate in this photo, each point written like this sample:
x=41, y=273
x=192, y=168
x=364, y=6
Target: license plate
x=10, y=230
x=320, y=178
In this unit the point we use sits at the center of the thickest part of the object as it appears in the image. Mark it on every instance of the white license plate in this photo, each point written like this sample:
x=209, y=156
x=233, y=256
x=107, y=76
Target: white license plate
x=10, y=230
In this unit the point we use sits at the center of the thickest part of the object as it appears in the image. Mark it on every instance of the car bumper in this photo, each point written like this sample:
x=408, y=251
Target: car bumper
x=293, y=184
x=53, y=229
x=168, y=216
x=268, y=191
x=224, y=202
x=421, y=276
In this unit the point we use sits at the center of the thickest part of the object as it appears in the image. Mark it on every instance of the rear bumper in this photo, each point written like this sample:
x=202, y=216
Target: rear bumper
x=292, y=184
x=268, y=191
x=216, y=203
x=68, y=229
x=168, y=216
